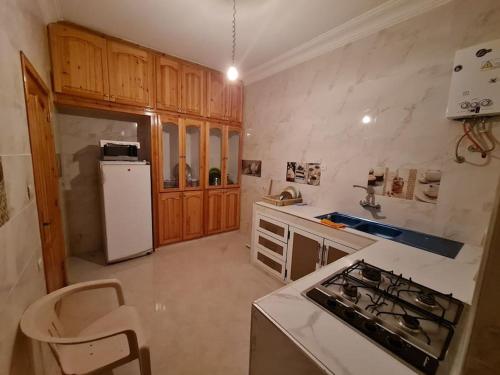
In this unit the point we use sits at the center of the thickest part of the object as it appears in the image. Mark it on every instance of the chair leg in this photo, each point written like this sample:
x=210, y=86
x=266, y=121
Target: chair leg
x=145, y=362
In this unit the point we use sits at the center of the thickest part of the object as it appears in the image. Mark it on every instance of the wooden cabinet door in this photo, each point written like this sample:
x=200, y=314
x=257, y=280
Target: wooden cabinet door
x=214, y=211
x=130, y=74
x=168, y=83
x=217, y=95
x=192, y=226
x=169, y=154
x=192, y=153
x=231, y=214
x=193, y=89
x=304, y=254
x=79, y=62
x=235, y=102
x=170, y=217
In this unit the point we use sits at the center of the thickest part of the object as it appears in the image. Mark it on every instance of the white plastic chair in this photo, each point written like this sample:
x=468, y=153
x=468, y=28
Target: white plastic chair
x=109, y=342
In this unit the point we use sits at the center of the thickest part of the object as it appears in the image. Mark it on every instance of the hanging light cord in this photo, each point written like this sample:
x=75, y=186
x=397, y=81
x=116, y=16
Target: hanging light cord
x=234, y=30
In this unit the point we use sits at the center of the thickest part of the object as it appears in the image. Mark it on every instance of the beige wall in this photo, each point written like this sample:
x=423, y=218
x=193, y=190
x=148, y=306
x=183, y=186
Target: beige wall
x=79, y=149
x=400, y=76
x=22, y=27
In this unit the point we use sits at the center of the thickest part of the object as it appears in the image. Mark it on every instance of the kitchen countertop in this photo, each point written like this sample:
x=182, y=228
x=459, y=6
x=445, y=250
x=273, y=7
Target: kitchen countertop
x=330, y=341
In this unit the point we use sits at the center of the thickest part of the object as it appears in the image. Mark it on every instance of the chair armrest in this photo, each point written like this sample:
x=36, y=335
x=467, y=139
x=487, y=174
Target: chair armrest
x=95, y=284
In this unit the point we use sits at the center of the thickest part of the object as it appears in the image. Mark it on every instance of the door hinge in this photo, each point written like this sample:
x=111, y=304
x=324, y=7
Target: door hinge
x=288, y=235
x=286, y=273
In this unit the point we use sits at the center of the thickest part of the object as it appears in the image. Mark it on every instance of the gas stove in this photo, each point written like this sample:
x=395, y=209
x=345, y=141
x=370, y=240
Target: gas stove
x=412, y=321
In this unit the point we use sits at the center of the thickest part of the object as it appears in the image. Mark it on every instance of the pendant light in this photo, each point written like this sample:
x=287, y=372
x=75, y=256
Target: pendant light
x=232, y=72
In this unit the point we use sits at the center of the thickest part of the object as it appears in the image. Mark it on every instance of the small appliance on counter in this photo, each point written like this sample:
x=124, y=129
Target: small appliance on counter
x=119, y=150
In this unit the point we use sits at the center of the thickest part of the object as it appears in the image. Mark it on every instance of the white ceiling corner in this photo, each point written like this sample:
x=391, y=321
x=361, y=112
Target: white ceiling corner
x=381, y=17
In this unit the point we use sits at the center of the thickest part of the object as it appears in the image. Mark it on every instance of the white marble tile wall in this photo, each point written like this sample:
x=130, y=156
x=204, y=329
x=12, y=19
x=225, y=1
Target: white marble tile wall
x=400, y=76
x=79, y=138
x=22, y=28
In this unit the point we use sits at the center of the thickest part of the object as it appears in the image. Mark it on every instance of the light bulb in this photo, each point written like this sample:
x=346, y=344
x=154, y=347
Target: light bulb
x=232, y=73
x=366, y=119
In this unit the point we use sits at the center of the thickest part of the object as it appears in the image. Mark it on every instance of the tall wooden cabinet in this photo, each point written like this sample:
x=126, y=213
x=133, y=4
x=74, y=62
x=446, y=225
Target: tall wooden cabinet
x=196, y=133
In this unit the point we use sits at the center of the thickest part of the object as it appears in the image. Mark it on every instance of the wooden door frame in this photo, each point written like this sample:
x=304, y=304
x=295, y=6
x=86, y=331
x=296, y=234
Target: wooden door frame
x=29, y=70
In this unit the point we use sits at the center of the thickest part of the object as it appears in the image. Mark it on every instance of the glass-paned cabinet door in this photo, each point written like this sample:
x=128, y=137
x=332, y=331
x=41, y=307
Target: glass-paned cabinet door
x=214, y=155
x=233, y=156
x=170, y=147
x=193, y=149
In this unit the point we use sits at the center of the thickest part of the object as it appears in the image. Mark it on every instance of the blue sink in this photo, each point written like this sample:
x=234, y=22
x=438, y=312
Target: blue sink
x=379, y=230
x=427, y=242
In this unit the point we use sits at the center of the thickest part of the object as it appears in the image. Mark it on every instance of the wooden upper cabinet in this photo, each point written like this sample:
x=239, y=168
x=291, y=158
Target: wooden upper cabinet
x=193, y=88
x=79, y=62
x=130, y=74
x=168, y=83
x=235, y=102
x=217, y=95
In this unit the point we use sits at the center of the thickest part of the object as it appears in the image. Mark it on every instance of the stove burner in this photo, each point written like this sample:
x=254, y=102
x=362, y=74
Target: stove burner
x=410, y=323
x=371, y=274
x=427, y=300
x=350, y=291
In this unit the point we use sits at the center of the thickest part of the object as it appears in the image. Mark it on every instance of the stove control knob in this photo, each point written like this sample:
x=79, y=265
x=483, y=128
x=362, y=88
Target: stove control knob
x=464, y=105
x=331, y=302
x=395, y=342
x=486, y=102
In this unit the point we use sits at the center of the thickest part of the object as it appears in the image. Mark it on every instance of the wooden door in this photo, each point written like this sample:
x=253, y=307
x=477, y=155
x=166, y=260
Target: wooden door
x=217, y=95
x=170, y=217
x=214, y=211
x=304, y=254
x=168, y=83
x=231, y=215
x=79, y=62
x=193, y=89
x=130, y=74
x=235, y=102
x=45, y=172
x=192, y=215
x=232, y=156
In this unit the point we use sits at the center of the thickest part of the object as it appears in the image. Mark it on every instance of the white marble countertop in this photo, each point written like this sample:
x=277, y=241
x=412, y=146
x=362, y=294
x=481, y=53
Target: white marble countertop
x=332, y=342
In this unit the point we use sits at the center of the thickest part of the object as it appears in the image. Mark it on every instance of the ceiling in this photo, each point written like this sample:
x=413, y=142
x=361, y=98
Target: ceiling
x=200, y=30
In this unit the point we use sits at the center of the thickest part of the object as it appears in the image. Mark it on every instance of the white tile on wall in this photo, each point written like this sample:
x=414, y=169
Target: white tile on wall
x=400, y=76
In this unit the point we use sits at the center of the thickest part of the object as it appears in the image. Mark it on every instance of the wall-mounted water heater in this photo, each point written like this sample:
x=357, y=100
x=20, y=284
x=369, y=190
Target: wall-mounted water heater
x=475, y=82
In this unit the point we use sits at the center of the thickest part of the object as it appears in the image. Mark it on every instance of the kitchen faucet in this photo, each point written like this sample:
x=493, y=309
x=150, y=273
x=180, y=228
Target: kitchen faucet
x=369, y=201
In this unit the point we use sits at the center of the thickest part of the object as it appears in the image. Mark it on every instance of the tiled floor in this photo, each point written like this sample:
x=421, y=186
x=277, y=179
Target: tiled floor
x=194, y=298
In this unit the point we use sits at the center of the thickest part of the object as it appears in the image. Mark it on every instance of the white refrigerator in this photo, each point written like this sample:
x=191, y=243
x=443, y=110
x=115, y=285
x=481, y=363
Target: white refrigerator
x=126, y=203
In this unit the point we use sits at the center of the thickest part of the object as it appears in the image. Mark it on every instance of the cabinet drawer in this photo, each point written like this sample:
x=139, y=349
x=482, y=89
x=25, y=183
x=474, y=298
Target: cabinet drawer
x=270, y=264
x=273, y=228
x=271, y=244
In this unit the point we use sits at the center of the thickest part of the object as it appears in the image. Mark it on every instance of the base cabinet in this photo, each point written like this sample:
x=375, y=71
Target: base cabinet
x=288, y=252
x=192, y=223
x=170, y=214
x=222, y=211
x=180, y=216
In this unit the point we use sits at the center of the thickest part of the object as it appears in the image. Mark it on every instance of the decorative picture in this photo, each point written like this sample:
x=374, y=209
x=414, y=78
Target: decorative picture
x=251, y=167
x=412, y=184
x=301, y=173
x=290, y=171
x=4, y=214
x=313, y=174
